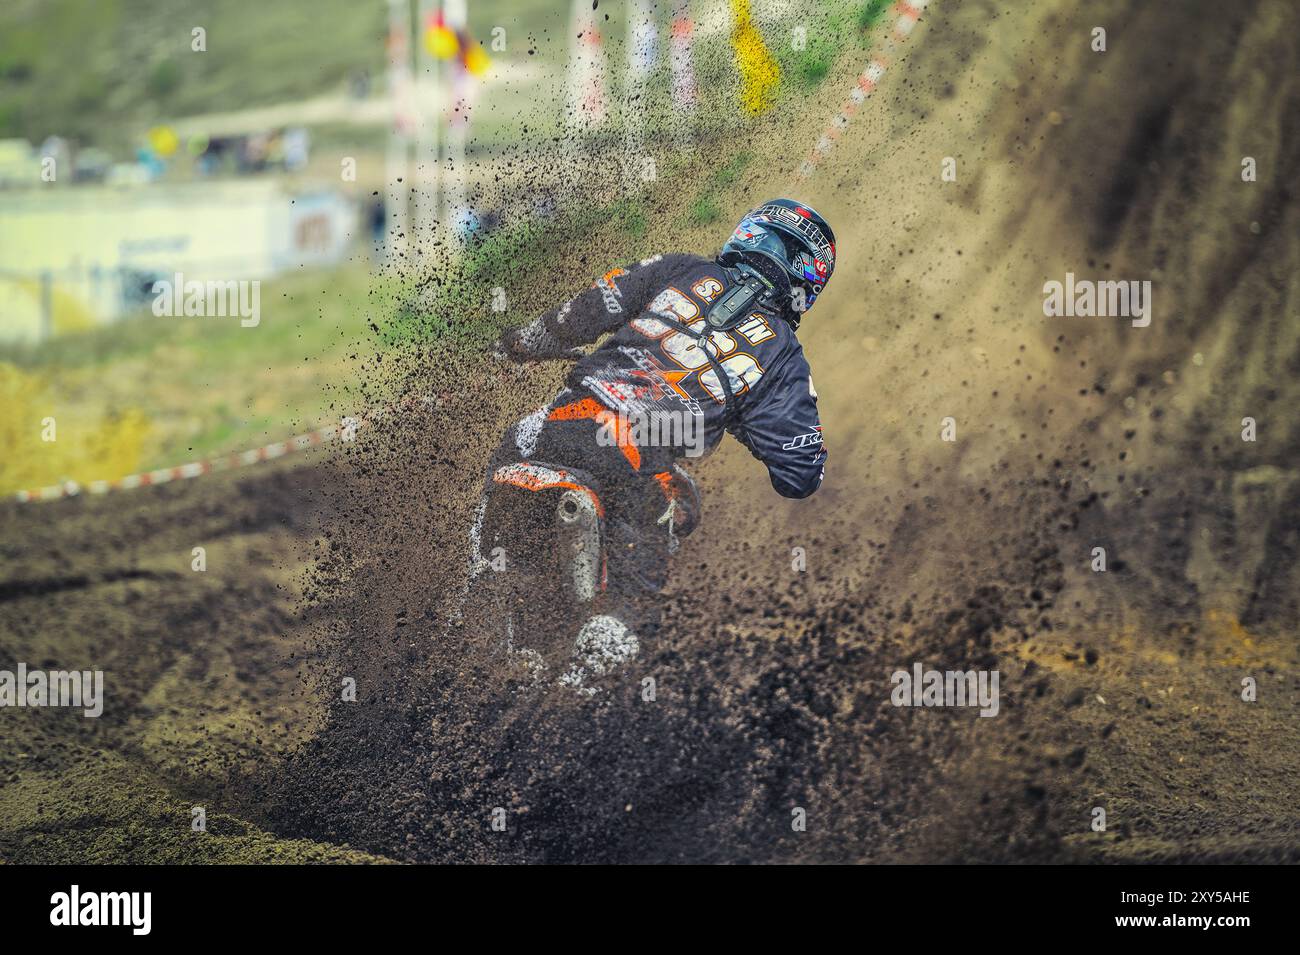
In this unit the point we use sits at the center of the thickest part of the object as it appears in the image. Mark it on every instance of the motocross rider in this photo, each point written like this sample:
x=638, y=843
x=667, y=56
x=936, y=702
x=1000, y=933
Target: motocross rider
x=696, y=346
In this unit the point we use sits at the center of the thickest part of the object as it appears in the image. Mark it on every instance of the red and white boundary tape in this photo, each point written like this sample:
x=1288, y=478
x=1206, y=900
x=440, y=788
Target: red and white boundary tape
x=903, y=24
x=345, y=430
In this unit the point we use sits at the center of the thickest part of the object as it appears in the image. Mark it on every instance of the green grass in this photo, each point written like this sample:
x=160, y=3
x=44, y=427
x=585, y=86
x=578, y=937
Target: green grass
x=730, y=171
x=102, y=71
x=302, y=313
x=209, y=385
x=813, y=65
x=872, y=12
x=704, y=211
x=707, y=207
x=460, y=315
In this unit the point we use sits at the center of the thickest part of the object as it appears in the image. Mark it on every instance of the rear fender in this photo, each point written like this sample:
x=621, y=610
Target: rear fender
x=558, y=524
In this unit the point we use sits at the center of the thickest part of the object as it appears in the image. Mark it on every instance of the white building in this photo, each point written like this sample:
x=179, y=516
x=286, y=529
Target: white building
x=71, y=258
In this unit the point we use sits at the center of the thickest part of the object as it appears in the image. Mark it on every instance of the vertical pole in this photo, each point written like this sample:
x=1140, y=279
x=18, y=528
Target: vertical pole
x=586, y=108
x=641, y=42
x=429, y=118
x=397, y=178
x=47, y=305
x=683, y=76
x=458, y=211
x=96, y=293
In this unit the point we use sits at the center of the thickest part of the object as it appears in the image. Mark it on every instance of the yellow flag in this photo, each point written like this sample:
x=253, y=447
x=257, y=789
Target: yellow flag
x=759, y=73
x=439, y=39
x=476, y=61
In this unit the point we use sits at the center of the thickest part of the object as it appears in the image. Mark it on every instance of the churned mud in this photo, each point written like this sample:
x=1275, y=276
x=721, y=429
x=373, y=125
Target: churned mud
x=1119, y=690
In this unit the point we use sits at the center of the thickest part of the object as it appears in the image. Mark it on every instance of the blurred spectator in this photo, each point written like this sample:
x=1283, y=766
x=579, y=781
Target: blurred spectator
x=91, y=165
x=297, y=148
x=378, y=223
x=359, y=84
x=253, y=156
x=151, y=167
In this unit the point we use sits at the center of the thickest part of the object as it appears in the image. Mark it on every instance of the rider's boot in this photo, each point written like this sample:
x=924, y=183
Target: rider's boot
x=604, y=643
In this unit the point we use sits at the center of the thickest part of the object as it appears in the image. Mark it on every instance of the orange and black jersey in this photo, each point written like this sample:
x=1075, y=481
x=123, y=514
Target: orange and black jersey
x=648, y=368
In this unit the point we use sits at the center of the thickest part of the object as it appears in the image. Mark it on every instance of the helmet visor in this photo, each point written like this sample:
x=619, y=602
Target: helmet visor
x=754, y=238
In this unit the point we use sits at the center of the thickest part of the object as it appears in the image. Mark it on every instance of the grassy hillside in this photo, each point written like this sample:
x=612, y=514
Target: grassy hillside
x=150, y=392
x=100, y=70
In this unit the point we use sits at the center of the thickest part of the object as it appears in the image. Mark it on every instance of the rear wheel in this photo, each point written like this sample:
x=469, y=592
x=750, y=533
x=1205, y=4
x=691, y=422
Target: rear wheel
x=542, y=573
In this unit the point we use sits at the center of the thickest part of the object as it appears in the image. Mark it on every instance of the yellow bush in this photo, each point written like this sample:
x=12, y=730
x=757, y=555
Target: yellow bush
x=89, y=444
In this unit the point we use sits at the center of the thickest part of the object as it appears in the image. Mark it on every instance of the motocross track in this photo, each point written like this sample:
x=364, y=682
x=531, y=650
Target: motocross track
x=1119, y=690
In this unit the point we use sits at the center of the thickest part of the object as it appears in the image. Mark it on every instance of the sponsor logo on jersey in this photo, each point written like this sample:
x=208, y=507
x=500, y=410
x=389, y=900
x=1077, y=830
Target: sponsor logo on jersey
x=631, y=391
x=610, y=292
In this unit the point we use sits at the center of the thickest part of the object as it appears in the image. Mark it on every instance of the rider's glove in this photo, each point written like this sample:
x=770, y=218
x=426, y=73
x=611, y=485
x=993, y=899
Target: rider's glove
x=681, y=515
x=535, y=342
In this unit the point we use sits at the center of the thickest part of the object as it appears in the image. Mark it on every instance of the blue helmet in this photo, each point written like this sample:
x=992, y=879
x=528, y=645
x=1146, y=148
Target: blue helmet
x=789, y=244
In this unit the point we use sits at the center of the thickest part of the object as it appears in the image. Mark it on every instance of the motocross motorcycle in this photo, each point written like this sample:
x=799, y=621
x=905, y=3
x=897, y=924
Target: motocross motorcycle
x=539, y=580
